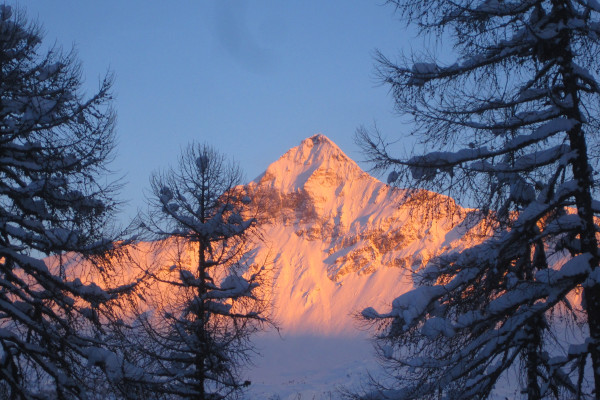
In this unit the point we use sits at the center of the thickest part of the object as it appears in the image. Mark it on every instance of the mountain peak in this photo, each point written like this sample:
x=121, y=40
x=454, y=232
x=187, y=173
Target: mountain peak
x=319, y=140
x=315, y=155
x=317, y=149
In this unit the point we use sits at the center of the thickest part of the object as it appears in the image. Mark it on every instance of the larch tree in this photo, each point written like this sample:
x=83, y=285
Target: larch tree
x=54, y=147
x=511, y=127
x=198, y=334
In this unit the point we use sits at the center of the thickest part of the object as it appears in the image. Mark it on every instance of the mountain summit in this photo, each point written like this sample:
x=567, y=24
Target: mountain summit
x=316, y=157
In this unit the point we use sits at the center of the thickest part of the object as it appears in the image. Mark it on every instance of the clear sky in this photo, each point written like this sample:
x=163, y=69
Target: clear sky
x=252, y=78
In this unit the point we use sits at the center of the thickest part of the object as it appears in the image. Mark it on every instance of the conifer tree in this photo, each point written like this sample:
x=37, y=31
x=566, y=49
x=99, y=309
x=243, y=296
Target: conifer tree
x=199, y=334
x=511, y=127
x=54, y=148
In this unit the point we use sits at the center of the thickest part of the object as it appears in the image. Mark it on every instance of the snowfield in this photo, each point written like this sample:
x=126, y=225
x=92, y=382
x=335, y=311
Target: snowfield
x=307, y=367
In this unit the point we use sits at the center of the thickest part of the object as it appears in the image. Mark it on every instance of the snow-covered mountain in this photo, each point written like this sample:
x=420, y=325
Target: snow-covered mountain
x=340, y=240
x=337, y=240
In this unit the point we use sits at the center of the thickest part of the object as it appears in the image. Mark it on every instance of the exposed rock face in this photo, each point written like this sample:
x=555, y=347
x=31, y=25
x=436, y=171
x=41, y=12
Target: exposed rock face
x=341, y=240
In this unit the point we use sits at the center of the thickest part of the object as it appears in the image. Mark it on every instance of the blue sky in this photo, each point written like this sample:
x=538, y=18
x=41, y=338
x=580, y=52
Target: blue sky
x=252, y=78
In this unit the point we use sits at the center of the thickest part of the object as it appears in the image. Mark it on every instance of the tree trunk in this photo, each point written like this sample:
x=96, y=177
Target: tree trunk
x=201, y=323
x=592, y=301
x=533, y=327
x=532, y=359
x=583, y=201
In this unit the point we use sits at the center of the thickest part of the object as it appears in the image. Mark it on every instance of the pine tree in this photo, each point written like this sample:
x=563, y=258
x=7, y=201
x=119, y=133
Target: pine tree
x=54, y=148
x=511, y=127
x=199, y=333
